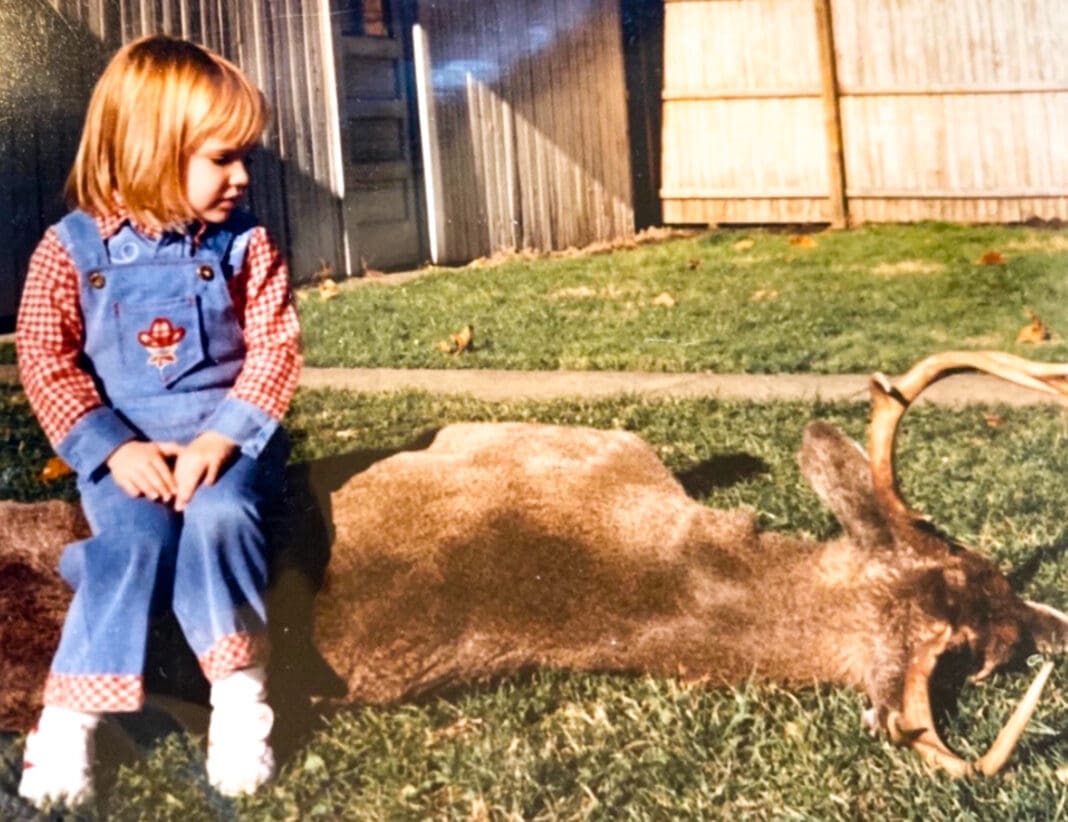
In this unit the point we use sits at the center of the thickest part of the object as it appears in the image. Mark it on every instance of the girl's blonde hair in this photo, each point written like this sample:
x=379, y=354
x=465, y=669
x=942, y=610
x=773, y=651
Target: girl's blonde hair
x=156, y=103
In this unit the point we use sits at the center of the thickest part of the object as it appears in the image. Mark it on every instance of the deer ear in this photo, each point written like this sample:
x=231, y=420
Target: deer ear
x=838, y=471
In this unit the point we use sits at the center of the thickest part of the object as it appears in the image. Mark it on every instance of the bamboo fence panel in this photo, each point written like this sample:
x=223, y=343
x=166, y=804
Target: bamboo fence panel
x=955, y=110
x=529, y=107
x=952, y=110
x=743, y=126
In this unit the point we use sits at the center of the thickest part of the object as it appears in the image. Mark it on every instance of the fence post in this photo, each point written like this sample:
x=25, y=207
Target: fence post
x=832, y=115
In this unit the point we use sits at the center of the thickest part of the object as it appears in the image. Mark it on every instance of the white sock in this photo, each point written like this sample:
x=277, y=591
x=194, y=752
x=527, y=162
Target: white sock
x=57, y=764
x=239, y=751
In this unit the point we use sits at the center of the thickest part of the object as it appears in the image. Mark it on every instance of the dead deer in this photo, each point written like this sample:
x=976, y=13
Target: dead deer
x=505, y=546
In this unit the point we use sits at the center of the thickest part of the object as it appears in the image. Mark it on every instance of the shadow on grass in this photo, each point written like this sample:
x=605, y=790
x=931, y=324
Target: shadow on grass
x=721, y=471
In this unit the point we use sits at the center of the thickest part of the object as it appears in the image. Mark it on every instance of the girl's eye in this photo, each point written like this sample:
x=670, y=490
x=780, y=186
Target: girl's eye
x=228, y=158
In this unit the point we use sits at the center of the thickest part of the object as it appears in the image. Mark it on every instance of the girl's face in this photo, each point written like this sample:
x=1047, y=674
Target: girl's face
x=215, y=180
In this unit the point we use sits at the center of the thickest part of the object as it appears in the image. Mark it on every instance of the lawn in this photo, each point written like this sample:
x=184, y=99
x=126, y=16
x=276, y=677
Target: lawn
x=552, y=745
x=876, y=297
x=872, y=298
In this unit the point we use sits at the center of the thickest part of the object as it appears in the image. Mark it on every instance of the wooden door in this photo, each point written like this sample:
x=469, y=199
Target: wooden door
x=383, y=191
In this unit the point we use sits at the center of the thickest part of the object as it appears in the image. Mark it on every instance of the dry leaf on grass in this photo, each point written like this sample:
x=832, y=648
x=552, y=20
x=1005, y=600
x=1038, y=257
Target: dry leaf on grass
x=1034, y=332
x=664, y=299
x=55, y=469
x=458, y=342
x=744, y=245
x=327, y=289
x=992, y=257
x=762, y=295
x=803, y=241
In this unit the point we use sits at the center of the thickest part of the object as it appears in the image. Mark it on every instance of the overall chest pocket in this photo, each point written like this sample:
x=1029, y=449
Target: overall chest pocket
x=162, y=340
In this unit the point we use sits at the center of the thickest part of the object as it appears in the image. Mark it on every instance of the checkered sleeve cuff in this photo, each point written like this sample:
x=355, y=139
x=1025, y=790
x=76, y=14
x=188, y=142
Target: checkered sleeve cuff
x=92, y=439
x=246, y=424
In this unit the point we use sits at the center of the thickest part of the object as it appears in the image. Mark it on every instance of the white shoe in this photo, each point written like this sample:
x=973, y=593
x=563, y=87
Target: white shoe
x=240, y=758
x=57, y=764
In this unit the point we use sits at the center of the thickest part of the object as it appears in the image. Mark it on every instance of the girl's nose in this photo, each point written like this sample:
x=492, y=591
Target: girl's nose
x=238, y=174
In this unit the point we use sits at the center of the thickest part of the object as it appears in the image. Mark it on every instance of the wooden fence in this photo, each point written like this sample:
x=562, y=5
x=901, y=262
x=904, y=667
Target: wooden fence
x=528, y=145
x=881, y=110
x=54, y=50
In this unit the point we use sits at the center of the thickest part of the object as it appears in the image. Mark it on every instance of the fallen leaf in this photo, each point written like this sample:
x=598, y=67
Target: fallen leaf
x=744, y=245
x=992, y=258
x=803, y=241
x=664, y=299
x=693, y=263
x=1035, y=331
x=463, y=340
x=458, y=342
x=993, y=420
x=55, y=469
x=762, y=295
x=327, y=289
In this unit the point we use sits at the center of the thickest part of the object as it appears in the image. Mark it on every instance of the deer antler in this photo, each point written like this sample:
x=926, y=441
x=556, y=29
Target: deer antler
x=915, y=726
x=890, y=401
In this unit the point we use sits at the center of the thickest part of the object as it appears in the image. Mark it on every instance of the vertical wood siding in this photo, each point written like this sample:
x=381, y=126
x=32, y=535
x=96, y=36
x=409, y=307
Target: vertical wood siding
x=530, y=120
x=952, y=110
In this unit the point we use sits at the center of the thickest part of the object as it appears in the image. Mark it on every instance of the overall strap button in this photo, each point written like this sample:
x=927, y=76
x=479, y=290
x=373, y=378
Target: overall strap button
x=97, y=280
x=205, y=272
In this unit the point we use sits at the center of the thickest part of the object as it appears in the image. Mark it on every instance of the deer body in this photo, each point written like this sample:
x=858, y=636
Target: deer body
x=509, y=546
x=501, y=547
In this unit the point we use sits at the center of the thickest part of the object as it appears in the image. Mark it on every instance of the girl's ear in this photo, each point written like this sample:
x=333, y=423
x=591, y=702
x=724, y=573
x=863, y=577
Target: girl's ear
x=837, y=469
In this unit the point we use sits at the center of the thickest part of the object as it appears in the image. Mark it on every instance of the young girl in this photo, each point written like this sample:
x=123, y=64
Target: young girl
x=158, y=345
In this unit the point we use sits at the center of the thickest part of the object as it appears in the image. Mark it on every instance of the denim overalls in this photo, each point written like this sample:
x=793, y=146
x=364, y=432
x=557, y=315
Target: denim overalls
x=164, y=346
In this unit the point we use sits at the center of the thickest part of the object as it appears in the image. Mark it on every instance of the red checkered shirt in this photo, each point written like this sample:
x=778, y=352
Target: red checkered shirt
x=50, y=332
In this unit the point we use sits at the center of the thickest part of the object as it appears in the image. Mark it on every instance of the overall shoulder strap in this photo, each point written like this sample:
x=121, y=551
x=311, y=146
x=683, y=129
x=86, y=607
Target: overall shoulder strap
x=229, y=242
x=81, y=237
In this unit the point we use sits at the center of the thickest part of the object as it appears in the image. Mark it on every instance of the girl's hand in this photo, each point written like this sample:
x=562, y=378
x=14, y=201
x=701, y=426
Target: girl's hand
x=200, y=463
x=141, y=469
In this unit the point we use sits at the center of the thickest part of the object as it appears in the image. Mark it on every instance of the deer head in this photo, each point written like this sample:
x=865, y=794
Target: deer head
x=992, y=640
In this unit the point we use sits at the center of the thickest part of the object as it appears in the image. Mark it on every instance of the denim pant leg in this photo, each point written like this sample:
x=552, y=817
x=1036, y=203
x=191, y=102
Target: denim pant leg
x=223, y=563
x=115, y=575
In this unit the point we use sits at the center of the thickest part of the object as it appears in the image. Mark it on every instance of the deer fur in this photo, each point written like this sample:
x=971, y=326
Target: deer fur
x=501, y=547
x=506, y=546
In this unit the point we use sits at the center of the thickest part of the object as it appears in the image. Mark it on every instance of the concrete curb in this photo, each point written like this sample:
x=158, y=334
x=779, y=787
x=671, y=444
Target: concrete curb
x=542, y=385
x=511, y=385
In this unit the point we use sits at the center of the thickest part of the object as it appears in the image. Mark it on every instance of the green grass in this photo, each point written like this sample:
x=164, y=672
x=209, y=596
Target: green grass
x=877, y=297
x=561, y=746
